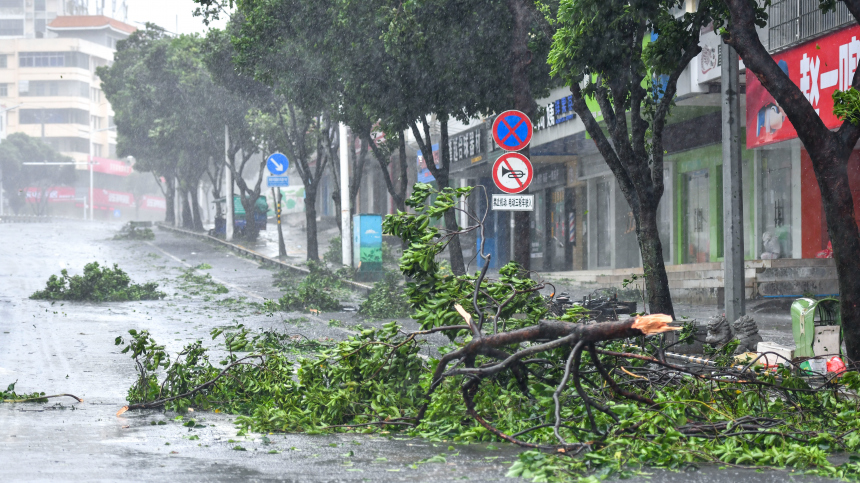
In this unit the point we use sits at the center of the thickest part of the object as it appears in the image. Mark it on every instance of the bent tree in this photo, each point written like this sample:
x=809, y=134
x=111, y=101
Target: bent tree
x=828, y=150
x=598, y=51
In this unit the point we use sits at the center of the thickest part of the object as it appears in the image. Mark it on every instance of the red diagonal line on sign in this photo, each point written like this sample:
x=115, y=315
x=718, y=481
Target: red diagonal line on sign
x=510, y=168
x=512, y=129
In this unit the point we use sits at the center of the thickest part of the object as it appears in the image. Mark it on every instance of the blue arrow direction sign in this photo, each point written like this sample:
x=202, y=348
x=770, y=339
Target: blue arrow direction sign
x=278, y=181
x=278, y=164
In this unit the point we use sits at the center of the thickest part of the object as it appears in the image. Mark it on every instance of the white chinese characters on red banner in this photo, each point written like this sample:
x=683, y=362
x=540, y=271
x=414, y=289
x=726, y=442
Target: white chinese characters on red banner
x=111, y=166
x=55, y=194
x=818, y=68
x=109, y=200
x=155, y=203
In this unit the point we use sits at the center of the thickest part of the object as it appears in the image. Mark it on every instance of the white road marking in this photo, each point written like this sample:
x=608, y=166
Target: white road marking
x=222, y=282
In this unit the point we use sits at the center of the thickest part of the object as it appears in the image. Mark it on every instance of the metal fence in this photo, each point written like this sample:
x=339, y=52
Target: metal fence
x=791, y=22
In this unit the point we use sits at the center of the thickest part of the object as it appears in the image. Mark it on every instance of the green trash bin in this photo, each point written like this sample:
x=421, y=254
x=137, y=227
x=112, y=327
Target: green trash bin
x=367, y=247
x=817, y=327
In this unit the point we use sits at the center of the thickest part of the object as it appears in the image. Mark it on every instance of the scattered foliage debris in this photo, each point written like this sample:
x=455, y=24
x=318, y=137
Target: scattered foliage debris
x=10, y=396
x=320, y=290
x=386, y=300
x=135, y=234
x=588, y=400
x=97, y=284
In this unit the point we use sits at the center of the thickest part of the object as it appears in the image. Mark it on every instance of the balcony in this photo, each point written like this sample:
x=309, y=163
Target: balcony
x=792, y=22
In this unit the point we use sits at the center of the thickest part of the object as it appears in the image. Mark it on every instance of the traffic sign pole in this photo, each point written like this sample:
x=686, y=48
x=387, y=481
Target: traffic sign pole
x=276, y=198
x=522, y=224
x=512, y=131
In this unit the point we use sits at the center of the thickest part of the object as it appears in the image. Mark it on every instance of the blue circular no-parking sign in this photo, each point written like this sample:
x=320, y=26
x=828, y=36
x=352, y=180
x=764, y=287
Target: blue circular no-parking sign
x=512, y=130
x=277, y=164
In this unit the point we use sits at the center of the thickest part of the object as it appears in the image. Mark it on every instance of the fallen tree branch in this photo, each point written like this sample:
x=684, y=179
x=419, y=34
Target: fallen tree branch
x=29, y=399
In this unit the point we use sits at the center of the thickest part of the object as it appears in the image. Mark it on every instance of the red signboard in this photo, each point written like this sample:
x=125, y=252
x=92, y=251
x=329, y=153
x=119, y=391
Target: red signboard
x=818, y=67
x=156, y=203
x=111, y=166
x=108, y=200
x=55, y=194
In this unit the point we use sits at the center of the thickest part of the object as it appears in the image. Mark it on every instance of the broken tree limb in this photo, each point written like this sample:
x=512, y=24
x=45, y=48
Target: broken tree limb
x=161, y=402
x=30, y=399
x=559, y=334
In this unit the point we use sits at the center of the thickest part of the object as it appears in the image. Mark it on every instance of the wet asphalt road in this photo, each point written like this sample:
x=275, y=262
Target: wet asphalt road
x=68, y=348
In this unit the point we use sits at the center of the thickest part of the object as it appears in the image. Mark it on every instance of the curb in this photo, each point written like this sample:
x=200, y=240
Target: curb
x=35, y=219
x=358, y=287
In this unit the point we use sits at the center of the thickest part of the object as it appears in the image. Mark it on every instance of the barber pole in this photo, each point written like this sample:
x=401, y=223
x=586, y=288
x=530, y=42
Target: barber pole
x=571, y=228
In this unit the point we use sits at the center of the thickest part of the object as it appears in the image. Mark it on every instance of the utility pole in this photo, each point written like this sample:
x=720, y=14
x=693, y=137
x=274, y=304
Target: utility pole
x=228, y=187
x=733, y=228
x=345, y=222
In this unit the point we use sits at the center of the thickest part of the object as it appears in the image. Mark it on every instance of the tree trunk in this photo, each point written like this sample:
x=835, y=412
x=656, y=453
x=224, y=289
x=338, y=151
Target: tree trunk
x=195, y=210
x=829, y=152
x=455, y=252
x=832, y=174
x=521, y=57
x=425, y=143
x=656, y=280
x=170, y=201
x=357, y=174
x=522, y=232
x=187, y=221
x=400, y=199
x=311, y=222
x=335, y=196
x=250, y=203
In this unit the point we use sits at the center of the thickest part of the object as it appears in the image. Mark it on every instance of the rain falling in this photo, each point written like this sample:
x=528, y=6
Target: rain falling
x=429, y=240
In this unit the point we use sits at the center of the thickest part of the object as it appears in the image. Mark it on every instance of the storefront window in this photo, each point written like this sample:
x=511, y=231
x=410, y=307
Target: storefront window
x=697, y=247
x=557, y=229
x=538, y=226
x=776, y=203
x=664, y=218
x=626, y=241
x=603, y=218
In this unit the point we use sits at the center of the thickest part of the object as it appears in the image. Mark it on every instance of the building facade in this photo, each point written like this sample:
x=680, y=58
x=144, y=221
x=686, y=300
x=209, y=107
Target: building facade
x=49, y=90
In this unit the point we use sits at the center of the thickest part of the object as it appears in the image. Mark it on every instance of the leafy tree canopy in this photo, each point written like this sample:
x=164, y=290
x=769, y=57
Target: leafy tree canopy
x=19, y=148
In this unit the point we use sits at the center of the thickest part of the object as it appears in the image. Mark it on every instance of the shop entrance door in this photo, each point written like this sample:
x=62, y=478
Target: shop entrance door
x=697, y=226
x=603, y=238
x=776, y=204
x=556, y=245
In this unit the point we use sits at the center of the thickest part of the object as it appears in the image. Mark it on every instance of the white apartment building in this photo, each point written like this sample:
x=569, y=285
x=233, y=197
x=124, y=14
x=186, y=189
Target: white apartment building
x=30, y=18
x=50, y=87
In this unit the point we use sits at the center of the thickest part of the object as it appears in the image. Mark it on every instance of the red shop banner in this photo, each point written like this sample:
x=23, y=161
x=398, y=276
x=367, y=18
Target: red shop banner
x=111, y=166
x=155, y=203
x=108, y=200
x=819, y=68
x=55, y=194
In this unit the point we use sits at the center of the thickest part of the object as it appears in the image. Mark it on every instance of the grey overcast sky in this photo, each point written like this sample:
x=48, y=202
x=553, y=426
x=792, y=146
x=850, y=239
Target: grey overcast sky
x=166, y=13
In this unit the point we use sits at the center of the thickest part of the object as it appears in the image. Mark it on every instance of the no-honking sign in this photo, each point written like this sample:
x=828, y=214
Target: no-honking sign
x=512, y=173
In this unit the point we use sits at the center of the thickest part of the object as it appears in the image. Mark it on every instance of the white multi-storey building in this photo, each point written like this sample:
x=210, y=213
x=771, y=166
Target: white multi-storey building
x=49, y=89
